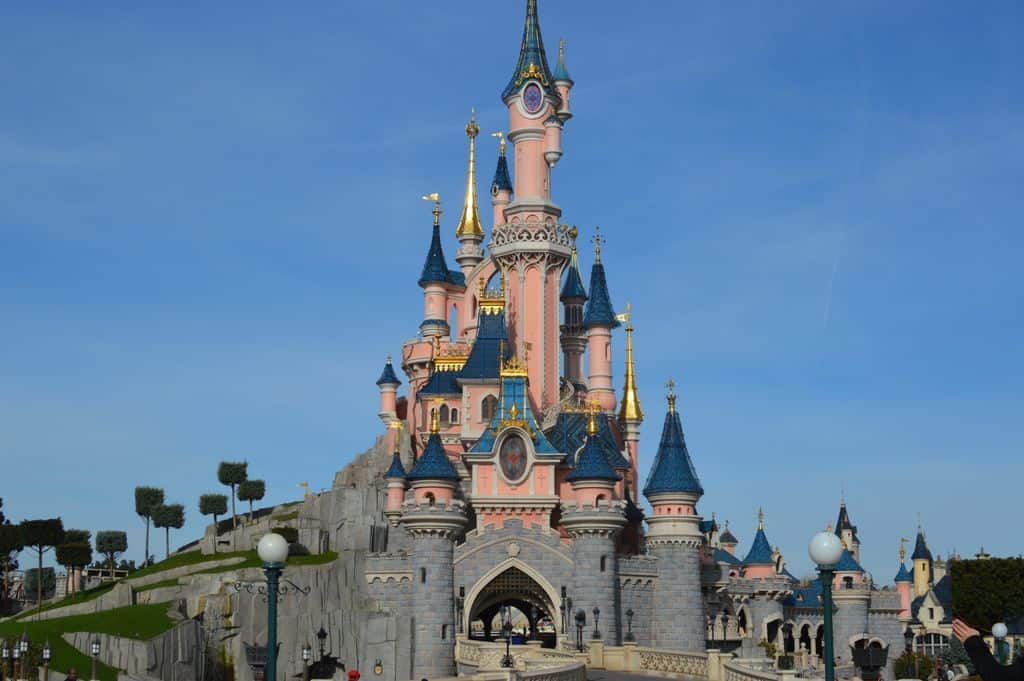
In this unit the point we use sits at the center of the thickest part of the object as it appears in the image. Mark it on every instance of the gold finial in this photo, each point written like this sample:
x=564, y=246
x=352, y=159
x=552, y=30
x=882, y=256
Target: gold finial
x=573, y=233
x=630, y=408
x=903, y=549
x=469, y=223
x=436, y=198
x=598, y=241
x=671, y=385
x=396, y=426
x=501, y=141
x=760, y=518
x=561, y=48
x=435, y=422
x=592, y=408
x=828, y=527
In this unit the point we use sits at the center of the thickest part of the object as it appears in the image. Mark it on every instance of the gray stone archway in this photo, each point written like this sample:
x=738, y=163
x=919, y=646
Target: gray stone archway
x=514, y=585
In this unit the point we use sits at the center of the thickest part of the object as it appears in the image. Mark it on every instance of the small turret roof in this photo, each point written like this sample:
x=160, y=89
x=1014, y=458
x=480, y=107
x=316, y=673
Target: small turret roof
x=572, y=286
x=599, y=310
x=843, y=522
x=760, y=551
x=673, y=469
x=433, y=463
x=921, y=551
x=903, y=575
x=388, y=377
x=397, y=470
x=561, y=70
x=847, y=563
x=502, y=180
x=435, y=269
x=592, y=464
x=728, y=537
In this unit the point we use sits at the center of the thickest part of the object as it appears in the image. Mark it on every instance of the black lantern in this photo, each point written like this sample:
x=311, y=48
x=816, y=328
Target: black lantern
x=506, y=629
x=629, y=625
x=321, y=637
x=23, y=643
x=581, y=621
x=597, y=618
x=534, y=614
x=908, y=639
x=47, y=651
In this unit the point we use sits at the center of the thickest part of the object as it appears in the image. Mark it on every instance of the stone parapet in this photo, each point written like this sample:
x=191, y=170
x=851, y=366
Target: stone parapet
x=442, y=519
x=604, y=518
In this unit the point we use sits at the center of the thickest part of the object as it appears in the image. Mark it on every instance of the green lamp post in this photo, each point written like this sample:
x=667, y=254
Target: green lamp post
x=826, y=549
x=273, y=551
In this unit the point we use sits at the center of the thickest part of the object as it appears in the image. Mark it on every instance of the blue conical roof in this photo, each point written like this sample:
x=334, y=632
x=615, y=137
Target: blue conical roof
x=760, y=551
x=434, y=463
x=388, y=377
x=501, y=176
x=561, y=70
x=921, y=551
x=572, y=287
x=592, y=464
x=599, y=310
x=533, y=60
x=847, y=563
x=435, y=269
x=673, y=469
x=397, y=470
x=903, y=575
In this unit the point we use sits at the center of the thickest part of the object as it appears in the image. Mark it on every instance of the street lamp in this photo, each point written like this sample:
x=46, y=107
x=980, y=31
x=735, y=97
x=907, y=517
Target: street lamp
x=321, y=637
x=47, y=654
x=581, y=621
x=597, y=618
x=23, y=649
x=534, y=635
x=506, y=628
x=826, y=549
x=94, y=648
x=999, y=632
x=16, y=665
x=725, y=625
x=273, y=551
x=5, y=653
x=908, y=640
x=629, y=625
x=307, y=654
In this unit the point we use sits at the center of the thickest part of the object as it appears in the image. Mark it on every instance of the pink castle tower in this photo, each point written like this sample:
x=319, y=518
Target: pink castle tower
x=531, y=247
x=599, y=318
x=904, y=585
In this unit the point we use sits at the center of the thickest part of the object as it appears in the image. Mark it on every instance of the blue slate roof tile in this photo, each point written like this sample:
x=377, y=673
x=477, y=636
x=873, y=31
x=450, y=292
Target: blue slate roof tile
x=921, y=551
x=501, y=176
x=572, y=287
x=435, y=269
x=599, y=310
x=592, y=463
x=441, y=383
x=433, y=463
x=760, y=551
x=483, y=361
x=673, y=469
x=513, y=393
x=397, y=470
x=570, y=433
x=903, y=575
x=943, y=590
x=723, y=556
x=805, y=597
x=561, y=72
x=388, y=377
x=728, y=537
x=847, y=563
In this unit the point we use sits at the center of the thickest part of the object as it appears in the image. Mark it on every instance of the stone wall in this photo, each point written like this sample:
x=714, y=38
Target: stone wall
x=679, y=626
x=177, y=655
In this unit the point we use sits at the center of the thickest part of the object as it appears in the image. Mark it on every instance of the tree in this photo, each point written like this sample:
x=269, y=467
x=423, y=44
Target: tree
x=111, y=543
x=74, y=554
x=956, y=654
x=47, y=584
x=215, y=505
x=41, y=536
x=147, y=499
x=251, y=490
x=11, y=545
x=987, y=591
x=910, y=662
x=168, y=516
x=232, y=474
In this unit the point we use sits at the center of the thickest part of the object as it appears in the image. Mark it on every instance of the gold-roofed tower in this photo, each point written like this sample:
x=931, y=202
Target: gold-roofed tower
x=470, y=231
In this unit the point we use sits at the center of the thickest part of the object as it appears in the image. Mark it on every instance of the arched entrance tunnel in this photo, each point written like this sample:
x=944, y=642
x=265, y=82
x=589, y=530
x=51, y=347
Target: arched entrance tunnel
x=514, y=593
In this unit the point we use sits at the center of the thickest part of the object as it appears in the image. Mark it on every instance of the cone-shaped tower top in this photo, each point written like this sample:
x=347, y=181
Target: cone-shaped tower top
x=921, y=551
x=533, y=60
x=673, y=469
x=629, y=409
x=433, y=463
x=388, y=377
x=592, y=464
x=728, y=538
x=502, y=180
x=843, y=522
x=761, y=550
x=469, y=223
x=572, y=287
x=599, y=310
x=435, y=269
x=561, y=73
x=903, y=575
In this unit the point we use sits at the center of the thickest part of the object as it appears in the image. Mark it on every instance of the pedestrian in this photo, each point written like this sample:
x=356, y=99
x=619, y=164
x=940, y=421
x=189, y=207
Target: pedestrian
x=981, y=656
x=72, y=674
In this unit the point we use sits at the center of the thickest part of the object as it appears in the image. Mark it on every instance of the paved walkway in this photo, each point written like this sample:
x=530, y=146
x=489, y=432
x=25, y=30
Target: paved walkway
x=605, y=675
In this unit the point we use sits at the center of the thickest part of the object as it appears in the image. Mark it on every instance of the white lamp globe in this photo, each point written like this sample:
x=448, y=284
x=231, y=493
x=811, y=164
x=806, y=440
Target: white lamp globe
x=272, y=548
x=999, y=630
x=826, y=549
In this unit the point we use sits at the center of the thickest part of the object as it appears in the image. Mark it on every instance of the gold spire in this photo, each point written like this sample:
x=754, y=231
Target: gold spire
x=436, y=198
x=435, y=422
x=598, y=240
x=469, y=223
x=671, y=385
x=630, y=409
x=760, y=518
x=592, y=409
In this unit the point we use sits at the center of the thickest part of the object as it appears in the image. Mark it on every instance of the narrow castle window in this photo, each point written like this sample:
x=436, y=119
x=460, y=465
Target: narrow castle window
x=604, y=563
x=443, y=414
x=423, y=575
x=454, y=416
x=444, y=631
x=488, y=407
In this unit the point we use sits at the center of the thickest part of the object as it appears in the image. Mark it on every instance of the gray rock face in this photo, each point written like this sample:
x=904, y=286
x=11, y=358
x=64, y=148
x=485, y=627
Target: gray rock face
x=178, y=655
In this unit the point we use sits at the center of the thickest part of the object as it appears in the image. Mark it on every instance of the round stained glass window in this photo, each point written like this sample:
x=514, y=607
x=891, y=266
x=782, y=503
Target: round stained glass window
x=533, y=98
x=512, y=457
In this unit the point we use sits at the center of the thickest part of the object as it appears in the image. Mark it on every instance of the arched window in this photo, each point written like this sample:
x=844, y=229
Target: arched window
x=429, y=496
x=454, y=415
x=488, y=407
x=443, y=414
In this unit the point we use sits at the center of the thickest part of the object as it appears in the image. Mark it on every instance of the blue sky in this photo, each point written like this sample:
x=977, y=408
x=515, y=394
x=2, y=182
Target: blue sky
x=212, y=233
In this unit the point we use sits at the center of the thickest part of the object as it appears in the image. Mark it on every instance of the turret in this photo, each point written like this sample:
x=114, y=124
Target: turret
x=592, y=478
x=759, y=563
x=922, y=560
x=433, y=478
x=501, y=186
x=573, y=333
x=470, y=232
x=674, y=537
x=630, y=413
x=847, y=531
x=552, y=139
x=394, y=478
x=388, y=384
x=563, y=82
x=435, y=280
x=904, y=584
x=599, y=318
x=728, y=540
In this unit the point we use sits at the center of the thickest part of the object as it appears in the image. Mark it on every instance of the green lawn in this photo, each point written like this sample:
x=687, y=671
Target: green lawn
x=140, y=622
x=80, y=597
x=253, y=561
x=157, y=585
x=182, y=560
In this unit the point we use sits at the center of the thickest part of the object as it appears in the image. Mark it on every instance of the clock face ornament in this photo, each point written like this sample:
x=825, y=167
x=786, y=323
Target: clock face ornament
x=533, y=98
x=512, y=457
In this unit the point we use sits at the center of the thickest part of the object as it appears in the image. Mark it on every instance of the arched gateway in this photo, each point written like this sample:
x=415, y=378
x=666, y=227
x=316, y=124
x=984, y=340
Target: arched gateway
x=514, y=584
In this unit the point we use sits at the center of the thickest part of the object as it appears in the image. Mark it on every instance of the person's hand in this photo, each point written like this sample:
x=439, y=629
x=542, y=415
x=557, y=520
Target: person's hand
x=963, y=631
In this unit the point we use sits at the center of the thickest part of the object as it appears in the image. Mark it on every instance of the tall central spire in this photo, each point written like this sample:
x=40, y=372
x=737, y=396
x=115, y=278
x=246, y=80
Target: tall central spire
x=533, y=60
x=469, y=223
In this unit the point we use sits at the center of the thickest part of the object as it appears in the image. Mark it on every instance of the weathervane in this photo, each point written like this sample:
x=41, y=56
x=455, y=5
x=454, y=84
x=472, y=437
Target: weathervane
x=598, y=241
x=436, y=198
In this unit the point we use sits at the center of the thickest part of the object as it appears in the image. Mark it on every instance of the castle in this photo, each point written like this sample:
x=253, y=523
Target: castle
x=514, y=482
